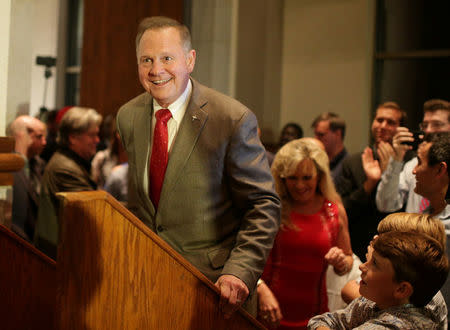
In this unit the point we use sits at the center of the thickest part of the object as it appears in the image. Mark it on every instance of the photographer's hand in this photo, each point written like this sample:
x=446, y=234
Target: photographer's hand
x=403, y=135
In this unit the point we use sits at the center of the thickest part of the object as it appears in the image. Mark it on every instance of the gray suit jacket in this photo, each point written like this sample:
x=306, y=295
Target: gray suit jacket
x=218, y=207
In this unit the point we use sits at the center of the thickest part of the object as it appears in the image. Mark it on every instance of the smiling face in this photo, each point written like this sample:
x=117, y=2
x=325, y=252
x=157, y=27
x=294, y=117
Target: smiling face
x=378, y=280
x=164, y=65
x=302, y=185
x=385, y=124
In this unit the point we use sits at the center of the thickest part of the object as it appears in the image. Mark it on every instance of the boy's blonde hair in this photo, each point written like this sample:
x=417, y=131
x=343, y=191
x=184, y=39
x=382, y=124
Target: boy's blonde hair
x=417, y=258
x=420, y=223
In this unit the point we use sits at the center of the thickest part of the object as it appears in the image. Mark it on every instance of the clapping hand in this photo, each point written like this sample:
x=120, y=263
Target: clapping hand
x=371, y=165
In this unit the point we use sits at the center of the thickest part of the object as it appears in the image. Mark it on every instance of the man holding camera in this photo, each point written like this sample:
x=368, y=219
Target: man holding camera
x=398, y=182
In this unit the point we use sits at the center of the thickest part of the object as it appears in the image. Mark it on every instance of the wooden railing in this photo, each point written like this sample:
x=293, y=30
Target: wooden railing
x=115, y=273
x=112, y=272
x=10, y=162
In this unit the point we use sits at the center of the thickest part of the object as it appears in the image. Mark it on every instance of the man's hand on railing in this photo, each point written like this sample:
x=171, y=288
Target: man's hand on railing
x=233, y=293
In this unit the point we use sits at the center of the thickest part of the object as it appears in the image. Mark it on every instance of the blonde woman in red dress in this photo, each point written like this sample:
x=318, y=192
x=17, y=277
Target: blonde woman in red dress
x=314, y=233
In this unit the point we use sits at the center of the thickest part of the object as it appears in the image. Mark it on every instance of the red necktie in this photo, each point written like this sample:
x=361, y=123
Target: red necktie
x=160, y=155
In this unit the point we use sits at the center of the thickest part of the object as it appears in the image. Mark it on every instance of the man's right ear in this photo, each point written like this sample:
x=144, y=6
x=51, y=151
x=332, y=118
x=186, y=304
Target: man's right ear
x=191, y=60
x=442, y=170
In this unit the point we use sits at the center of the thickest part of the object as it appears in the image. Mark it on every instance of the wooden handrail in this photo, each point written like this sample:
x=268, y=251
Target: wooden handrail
x=116, y=273
x=9, y=161
x=6, y=144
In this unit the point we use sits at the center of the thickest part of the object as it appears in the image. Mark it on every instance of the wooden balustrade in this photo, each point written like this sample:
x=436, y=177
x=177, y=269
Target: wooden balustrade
x=9, y=161
x=112, y=272
x=115, y=273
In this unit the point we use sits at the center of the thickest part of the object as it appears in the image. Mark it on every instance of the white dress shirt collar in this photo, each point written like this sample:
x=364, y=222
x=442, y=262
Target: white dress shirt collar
x=177, y=108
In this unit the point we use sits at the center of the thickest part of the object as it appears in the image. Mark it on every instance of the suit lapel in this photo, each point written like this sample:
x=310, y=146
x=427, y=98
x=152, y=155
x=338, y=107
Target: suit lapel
x=141, y=136
x=190, y=129
x=25, y=182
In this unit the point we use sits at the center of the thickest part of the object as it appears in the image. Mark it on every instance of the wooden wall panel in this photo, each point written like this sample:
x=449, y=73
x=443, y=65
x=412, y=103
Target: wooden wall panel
x=109, y=66
x=27, y=285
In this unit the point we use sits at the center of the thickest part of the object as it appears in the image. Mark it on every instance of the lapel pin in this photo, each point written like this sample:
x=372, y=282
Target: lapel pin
x=194, y=117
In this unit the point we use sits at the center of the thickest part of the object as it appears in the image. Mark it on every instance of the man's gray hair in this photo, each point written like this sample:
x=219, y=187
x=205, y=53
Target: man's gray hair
x=77, y=120
x=161, y=22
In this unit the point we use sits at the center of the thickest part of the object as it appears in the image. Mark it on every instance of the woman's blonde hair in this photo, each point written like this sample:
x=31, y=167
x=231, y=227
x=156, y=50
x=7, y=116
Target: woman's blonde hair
x=421, y=223
x=285, y=164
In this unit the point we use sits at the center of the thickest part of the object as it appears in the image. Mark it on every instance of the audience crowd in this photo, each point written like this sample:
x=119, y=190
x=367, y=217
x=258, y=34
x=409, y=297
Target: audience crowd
x=329, y=199
x=332, y=208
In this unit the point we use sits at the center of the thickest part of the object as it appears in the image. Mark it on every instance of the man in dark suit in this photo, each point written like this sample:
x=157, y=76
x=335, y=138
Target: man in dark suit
x=29, y=134
x=68, y=170
x=329, y=128
x=215, y=203
x=361, y=173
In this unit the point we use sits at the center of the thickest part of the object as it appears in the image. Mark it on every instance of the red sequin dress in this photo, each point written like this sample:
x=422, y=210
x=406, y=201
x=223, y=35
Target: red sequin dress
x=295, y=270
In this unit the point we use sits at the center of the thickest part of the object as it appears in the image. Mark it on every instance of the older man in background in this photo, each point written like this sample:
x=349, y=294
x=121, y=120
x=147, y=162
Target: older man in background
x=67, y=170
x=29, y=134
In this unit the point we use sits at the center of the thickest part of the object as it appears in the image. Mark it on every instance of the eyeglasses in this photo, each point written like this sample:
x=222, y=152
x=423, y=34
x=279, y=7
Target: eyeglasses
x=434, y=124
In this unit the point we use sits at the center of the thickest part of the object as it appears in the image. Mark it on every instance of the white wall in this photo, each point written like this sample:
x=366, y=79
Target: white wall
x=20, y=60
x=259, y=62
x=213, y=38
x=5, y=10
x=327, y=64
x=44, y=43
x=33, y=31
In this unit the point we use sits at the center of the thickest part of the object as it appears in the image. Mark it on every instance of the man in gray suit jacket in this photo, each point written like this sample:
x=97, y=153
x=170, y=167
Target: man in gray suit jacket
x=217, y=205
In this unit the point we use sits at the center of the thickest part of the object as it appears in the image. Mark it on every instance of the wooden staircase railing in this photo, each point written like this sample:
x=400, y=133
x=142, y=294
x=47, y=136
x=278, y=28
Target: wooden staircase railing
x=10, y=162
x=115, y=273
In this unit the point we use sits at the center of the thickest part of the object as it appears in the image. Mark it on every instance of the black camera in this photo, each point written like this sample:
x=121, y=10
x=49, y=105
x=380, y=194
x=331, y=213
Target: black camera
x=48, y=61
x=418, y=139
